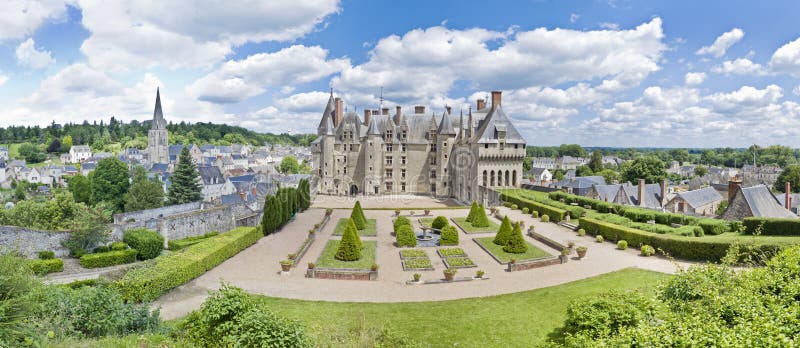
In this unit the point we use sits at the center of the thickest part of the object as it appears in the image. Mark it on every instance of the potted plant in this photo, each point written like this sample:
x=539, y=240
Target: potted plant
x=449, y=274
x=479, y=274
x=397, y=212
x=311, y=232
x=599, y=238
x=531, y=229
x=522, y=224
x=286, y=265
x=291, y=256
x=581, y=251
x=316, y=225
x=411, y=213
x=564, y=255
x=311, y=265
x=328, y=212
x=581, y=232
x=374, y=267
x=417, y=276
x=427, y=212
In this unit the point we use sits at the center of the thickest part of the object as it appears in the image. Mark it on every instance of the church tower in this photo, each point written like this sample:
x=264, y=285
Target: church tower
x=157, y=137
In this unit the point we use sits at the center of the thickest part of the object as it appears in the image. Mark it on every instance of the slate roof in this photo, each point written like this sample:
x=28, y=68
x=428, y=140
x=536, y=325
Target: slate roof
x=586, y=182
x=243, y=178
x=496, y=121
x=763, y=203
x=211, y=175
x=159, y=167
x=701, y=197
x=446, y=125
x=326, y=124
x=537, y=171
x=158, y=116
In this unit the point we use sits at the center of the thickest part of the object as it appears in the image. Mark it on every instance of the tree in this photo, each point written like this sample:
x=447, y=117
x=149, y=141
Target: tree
x=611, y=176
x=596, y=162
x=439, y=222
x=680, y=155
x=480, y=219
x=88, y=230
x=357, y=215
x=289, y=165
x=558, y=174
x=472, y=211
x=144, y=193
x=516, y=244
x=185, y=186
x=349, y=249
x=81, y=188
x=573, y=150
x=504, y=233
x=304, y=194
x=110, y=182
x=272, y=215
x=55, y=146
x=526, y=164
x=700, y=171
x=721, y=207
x=583, y=171
x=31, y=153
x=650, y=169
x=790, y=174
x=66, y=143
x=19, y=192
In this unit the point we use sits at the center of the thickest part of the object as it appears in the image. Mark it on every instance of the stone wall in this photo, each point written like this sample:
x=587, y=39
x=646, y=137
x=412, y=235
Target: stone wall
x=156, y=213
x=29, y=241
x=531, y=264
x=197, y=223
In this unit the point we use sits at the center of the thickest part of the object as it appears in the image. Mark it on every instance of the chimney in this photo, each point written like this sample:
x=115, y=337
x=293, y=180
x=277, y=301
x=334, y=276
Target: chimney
x=254, y=191
x=449, y=109
x=419, y=109
x=733, y=185
x=481, y=104
x=641, y=192
x=242, y=195
x=367, y=114
x=496, y=98
x=385, y=111
x=788, y=197
x=339, y=110
x=663, y=192
x=397, y=115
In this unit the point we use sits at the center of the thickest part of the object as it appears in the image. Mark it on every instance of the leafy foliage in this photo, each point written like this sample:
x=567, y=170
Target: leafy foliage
x=504, y=233
x=272, y=217
x=449, y=236
x=480, y=219
x=439, y=222
x=605, y=315
x=473, y=210
x=148, y=242
x=350, y=246
x=772, y=226
x=515, y=243
x=144, y=193
x=45, y=266
x=109, y=258
x=790, y=174
x=185, y=186
x=405, y=236
x=357, y=215
x=110, y=183
x=649, y=168
x=81, y=188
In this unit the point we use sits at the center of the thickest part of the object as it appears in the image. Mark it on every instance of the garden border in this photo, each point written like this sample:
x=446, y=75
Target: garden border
x=403, y=263
x=341, y=274
x=534, y=263
x=546, y=241
x=447, y=264
x=309, y=240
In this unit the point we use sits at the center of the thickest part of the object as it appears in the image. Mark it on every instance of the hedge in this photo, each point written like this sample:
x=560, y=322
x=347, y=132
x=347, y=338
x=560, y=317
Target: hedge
x=109, y=258
x=400, y=220
x=449, y=236
x=687, y=248
x=555, y=214
x=45, y=266
x=405, y=236
x=633, y=213
x=148, y=242
x=47, y=255
x=178, y=244
x=773, y=226
x=713, y=226
x=155, y=277
x=439, y=222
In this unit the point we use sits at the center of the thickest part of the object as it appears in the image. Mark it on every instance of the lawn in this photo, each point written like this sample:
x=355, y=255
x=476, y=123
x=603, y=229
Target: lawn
x=370, y=230
x=468, y=228
x=504, y=257
x=327, y=260
x=523, y=319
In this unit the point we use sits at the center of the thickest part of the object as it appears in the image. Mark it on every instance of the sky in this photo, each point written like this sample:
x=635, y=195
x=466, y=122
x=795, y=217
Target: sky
x=596, y=73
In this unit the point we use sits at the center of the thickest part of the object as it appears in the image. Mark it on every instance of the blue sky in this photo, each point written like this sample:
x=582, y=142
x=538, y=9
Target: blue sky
x=598, y=73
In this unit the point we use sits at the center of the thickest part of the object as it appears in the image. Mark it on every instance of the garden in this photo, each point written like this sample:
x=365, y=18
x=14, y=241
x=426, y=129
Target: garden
x=476, y=221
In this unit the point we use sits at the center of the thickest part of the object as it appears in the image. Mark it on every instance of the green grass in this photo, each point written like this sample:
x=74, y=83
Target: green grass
x=413, y=253
x=370, y=230
x=522, y=319
x=446, y=252
x=504, y=257
x=327, y=260
x=468, y=228
x=459, y=262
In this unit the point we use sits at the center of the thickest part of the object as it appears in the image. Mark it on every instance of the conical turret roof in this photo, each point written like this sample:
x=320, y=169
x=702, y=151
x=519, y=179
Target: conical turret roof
x=158, y=116
x=446, y=125
x=326, y=124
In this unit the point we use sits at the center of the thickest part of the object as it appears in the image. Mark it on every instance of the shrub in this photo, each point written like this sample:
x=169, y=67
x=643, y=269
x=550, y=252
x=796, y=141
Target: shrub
x=357, y=215
x=622, y=245
x=148, y=242
x=349, y=247
x=713, y=227
x=514, y=207
x=480, y=219
x=772, y=226
x=417, y=277
x=555, y=214
x=102, y=249
x=535, y=214
x=504, y=233
x=155, y=277
x=109, y=258
x=525, y=210
x=545, y=218
x=46, y=255
x=472, y=211
x=405, y=236
x=439, y=222
x=215, y=233
x=516, y=244
x=45, y=266
x=599, y=239
x=179, y=244
x=117, y=246
x=449, y=236
x=647, y=250
x=607, y=313
x=581, y=232
x=399, y=221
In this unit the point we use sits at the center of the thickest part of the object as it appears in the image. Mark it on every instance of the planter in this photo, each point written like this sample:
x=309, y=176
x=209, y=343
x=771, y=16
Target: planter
x=581, y=252
x=286, y=267
x=563, y=258
x=448, y=276
x=427, y=212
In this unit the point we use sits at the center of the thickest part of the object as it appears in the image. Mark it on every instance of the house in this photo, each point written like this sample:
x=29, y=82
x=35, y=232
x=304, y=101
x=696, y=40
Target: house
x=763, y=175
x=582, y=185
x=650, y=196
x=569, y=162
x=3, y=153
x=194, y=152
x=540, y=175
x=214, y=184
x=757, y=201
x=79, y=153
x=3, y=172
x=239, y=161
x=88, y=167
x=65, y=158
x=696, y=202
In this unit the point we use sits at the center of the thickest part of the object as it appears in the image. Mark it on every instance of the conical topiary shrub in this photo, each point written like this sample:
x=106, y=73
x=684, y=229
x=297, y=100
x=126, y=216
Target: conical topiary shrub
x=516, y=244
x=358, y=216
x=480, y=219
x=502, y=236
x=472, y=211
x=350, y=246
x=358, y=236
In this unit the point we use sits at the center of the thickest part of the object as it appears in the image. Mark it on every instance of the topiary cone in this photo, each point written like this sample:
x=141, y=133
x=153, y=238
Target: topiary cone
x=349, y=247
x=504, y=233
x=357, y=215
x=516, y=244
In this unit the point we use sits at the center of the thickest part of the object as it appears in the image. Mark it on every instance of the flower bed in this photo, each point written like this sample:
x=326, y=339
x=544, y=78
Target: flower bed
x=413, y=253
x=327, y=259
x=417, y=264
x=458, y=262
x=451, y=252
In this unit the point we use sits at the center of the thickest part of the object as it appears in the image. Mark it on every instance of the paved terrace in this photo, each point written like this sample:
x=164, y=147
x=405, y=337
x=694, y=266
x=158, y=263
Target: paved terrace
x=256, y=269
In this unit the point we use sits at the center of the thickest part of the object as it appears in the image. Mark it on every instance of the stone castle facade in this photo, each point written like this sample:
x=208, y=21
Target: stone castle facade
x=157, y=137
x=417, y=153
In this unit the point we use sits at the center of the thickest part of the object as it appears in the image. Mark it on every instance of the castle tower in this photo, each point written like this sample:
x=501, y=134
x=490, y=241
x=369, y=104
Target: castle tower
x=322, y=148
x=445, y=137
x=158, y=137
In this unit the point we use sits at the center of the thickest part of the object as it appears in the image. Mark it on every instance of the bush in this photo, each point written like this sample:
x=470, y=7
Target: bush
x=647, y=250
x=472, y=211
x=102, y=249
x=179, y=244
x=439, y=222
x=480, y=219
x=117, y=246
x=110, y=258
x=713, y=227
x=525, y=210
x=516, y=244
x=622, y=245
x=213, y=233
x=555, y=214
x=545, y=218
x=148, y=242
x=46, y=255
x=157, y=276
x=45, y=266
x=514, y=207
x=581, y=232
x=349, y=248
x=607, y=313
x=405, y=236
x=600, y=239
x=535, y=214
x=504, y=233
x=772, y=226
x=449, y=236
x=399, y=221
x=358, y=217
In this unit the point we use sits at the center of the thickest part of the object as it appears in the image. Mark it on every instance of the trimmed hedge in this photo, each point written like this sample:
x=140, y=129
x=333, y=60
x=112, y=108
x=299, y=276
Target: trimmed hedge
x=400, y=220
x=110, y=258
x=116, y=246
x=178, y=244
x=45, y=266
x=155, y=277
x=148, y=242
x=555, y=214
x=449, y=236
x=405, y=236
x=47, y=255
x=439, y=222
x=633, y=213
x=773, y=226
x=687, y=248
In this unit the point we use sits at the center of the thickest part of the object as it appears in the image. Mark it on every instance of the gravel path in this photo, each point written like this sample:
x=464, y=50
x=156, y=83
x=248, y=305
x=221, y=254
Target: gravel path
x=256, y=269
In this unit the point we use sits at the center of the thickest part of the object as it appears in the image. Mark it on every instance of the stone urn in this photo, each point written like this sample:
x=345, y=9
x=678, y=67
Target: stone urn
x=449, y=274
x=286, y=265
x=581, y=251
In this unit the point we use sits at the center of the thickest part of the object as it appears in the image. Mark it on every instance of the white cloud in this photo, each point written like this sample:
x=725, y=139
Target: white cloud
x=574, y=17
x=722, y=43
x=29, y=56
x=313, y=101
x=739, y=66
x=787, y=58
x=609, y=26
x=141, y=33
x=796, y=90
x=20, y=18
x=694, y=78
x=745, y=99
x=3, y=79
x=237, y=80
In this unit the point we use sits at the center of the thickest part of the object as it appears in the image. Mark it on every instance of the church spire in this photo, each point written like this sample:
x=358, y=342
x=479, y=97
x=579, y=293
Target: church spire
x=158, y=116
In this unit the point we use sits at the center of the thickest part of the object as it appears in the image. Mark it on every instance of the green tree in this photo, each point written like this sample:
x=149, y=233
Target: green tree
x=358, y=217
x=81, y=188
x=66, y=143
x=573, y=150
x=110, y=182
x=31, y=153
x=272, y=215
x=480, y=219
x=596, y=162
x=304, y=194
x=526, y=164
x=55, y=146
x=185, y=186
x=649, y=168
x=504, y=233
x=558, y=174
x=790, y=174
x=349, y=248
x=611, y=176
x=516, y=244
x=472, y=211
x=680, y=155
x=289, y=165
x=16, y=301
x=19, y=192
x=721, y=207
x=700, y=171
x=144, y=193
x=583, y=171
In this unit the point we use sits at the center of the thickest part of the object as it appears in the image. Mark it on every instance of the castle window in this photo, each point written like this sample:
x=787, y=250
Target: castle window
x=485, y=146
x=445, y=156
x=345, y=170
x=433, y=174
x=388, y=173
x=402, y=173
x=403, y=160
x=403, y=134
x=388, y=147
x=502, y=145
x=516, y=146
x=403, y=148
x=389, y=186
x=433, y=160
x=403, y=187
x=388, y=160
x=433, y=147
x=433, y=187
